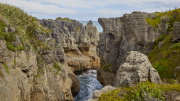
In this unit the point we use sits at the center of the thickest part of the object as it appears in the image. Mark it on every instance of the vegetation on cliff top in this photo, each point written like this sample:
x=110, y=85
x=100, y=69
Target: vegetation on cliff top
x=168, y=17
x=24, y=24
x=27, y=29
x=139, y=92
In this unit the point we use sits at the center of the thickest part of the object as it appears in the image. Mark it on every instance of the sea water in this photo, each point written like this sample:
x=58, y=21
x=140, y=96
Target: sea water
x=88, y=83
x=95, y=23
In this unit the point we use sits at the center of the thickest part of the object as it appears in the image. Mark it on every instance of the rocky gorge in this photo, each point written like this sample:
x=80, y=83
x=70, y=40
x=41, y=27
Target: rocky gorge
x=39, y=58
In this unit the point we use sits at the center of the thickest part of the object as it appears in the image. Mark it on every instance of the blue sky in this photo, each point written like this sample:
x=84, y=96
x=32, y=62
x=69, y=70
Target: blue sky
x=84, y=10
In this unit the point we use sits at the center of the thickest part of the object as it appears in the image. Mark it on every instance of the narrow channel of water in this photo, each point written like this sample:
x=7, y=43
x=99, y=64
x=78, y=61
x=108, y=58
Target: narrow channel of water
x=88, y=83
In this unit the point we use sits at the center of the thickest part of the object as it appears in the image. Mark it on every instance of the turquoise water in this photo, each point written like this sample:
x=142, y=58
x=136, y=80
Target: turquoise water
x=95, y=23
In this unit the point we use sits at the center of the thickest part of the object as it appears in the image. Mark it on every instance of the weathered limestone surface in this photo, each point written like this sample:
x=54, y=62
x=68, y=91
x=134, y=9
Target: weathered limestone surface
x=79, y=42
x=32, y=76
x=121, y=35
x=176, y=32
x=135, y=68
x=163, y=27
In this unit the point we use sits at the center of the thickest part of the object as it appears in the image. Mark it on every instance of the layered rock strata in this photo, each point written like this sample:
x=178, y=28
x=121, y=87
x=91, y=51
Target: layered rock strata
x=121, y=35
x=79, y=42
x=43, y=71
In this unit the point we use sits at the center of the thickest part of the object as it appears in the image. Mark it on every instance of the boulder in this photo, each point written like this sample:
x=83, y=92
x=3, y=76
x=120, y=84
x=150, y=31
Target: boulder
x=135, y=68
x=160, y=44
x=106, y=89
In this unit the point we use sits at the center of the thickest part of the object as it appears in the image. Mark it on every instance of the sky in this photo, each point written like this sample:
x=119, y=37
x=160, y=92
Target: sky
x=85, y=10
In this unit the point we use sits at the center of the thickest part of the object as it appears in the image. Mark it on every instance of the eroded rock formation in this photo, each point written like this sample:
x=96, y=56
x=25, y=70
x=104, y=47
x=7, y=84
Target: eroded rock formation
x=121, y=35
x=135, y=68
x=176, y=31
x=44, y=70
x=79, y=42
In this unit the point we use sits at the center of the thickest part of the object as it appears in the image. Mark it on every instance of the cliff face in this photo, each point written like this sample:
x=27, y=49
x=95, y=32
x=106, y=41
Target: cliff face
x=32, y=76
x=121, y=35
x=43, y=69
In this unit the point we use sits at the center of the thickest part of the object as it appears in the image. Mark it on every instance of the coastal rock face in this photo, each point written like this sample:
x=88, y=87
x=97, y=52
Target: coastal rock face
x=79, y=42
x=135, y=68
x=31, y=76
x=44, y=70
x=176, y=32
x=121, y=35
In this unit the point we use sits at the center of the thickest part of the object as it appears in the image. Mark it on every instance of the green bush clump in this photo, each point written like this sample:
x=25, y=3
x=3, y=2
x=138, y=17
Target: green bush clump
x=37, y=75
x=66, y=19
x=168, y=17
x=10, y=47
x=6, y=67
x=20, y=48
x=57, y=66
x=2, y=25
x=107, y=67
x=77, y=28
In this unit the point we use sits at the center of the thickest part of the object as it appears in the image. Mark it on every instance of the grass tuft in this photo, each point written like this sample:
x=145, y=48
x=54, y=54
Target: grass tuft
x=6, y=67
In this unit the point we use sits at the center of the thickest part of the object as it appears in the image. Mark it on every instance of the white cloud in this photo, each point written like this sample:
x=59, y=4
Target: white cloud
x=81, y=9
x=37, y=7
x=93, y=3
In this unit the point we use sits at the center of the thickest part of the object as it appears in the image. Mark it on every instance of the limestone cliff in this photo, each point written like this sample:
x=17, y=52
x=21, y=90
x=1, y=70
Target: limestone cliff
x=121, y=35
x=38, y=57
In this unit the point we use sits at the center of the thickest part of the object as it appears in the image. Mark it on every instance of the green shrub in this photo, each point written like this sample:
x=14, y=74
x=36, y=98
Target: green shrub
x=37, y=75
x=6, y=67
x=77, y=28
x=57, y=66
x=107, y=67
x=10, y=47
x=20, y=48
